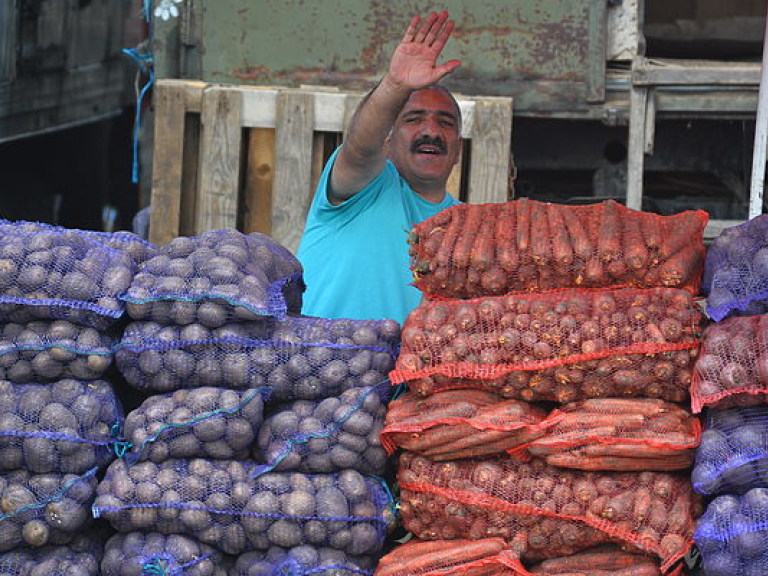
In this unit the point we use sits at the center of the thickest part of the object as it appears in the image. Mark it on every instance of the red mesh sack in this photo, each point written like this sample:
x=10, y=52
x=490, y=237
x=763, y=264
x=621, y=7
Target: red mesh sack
x=606, y=560
x=562, y=345
x=460, y=424
x=732, y=368
x=487, y=557
x=470, y=250
x=622, y=434
x=545, y=512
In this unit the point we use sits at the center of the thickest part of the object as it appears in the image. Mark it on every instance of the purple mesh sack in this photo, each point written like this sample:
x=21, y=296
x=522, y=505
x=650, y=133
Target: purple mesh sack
x=202, y=422
x=68, y=426
x=334, y=434
x=733, y=454
x=732, y=535
x=132, y=244
x=218, y=502
x=49, y=272
x=736, y=270
x=302, y=561
x=299, y=357
x=40, y=509
x=215, y=278
x=69, y=560
x=46, y=350
x=139, y=553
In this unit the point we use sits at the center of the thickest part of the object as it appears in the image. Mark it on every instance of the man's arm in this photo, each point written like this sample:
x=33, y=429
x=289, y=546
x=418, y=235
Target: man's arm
x=413, y=66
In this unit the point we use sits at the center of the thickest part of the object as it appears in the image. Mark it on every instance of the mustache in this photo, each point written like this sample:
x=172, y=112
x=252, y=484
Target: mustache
x=437, y=142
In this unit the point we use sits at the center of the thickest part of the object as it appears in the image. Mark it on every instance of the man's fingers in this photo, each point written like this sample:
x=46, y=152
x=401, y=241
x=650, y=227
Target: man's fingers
x=446, y=68
x=439, y=43
x=412, y=28
x=425, y=28
x=436, y=29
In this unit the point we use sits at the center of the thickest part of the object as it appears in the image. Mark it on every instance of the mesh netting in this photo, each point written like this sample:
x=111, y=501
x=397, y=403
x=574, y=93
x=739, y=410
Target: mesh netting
x=43, y=350
x=148, y=553
x=202, y=422
x=460, y=424
x=219, y=503
x=50, y=561
x=558, y=346
x=732, y=367
x=68, y=426
x=732, y=535
x=299, y=357
x=737, y=270
x=216, y=277
x=483, y=557
x=733, y=454
x=302, y=561
x=543, y=511
x=132, y=244
x=330, y=435
x=623, y=434
x=471, y=250
x=605, y=560
x=54, y=273
x=40, y=509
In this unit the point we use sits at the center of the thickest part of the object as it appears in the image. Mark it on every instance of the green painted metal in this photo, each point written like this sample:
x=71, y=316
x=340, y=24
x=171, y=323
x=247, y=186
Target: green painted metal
x=548, y=54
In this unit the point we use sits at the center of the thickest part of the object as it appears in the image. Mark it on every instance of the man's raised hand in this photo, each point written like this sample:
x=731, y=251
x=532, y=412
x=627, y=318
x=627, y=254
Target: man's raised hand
x=414, y=62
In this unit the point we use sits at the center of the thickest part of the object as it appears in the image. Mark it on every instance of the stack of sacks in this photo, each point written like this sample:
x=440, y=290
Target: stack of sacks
x=555, y=353
x=59, y=301
x=255, y=423
x=730, y=385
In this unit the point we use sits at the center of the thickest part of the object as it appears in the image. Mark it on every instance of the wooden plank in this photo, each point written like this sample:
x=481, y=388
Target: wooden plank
x=219, y=176
x=636, y=147
x=166, y=167
x=189, y=174
x=293, y=166
x=491, y=142
x=259, y=181
x=350, y=106
x=659, y=72
x=596, y=51
x=453, y=186
x=715, y=227
x=318, y=162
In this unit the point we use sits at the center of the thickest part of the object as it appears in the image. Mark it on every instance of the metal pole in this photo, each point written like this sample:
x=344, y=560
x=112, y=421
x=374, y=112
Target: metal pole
x=761, y=130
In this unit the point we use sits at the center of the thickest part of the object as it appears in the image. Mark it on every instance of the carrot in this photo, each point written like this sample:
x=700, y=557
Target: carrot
x=644, y=406
x=580, y=462
x=630, y=450
x=506, y=237
x=607, y=557
x=494, y=281
x=468, y=395
x=455, y=553
x=651, y=230
x=482, y=254
x=442, y=263
x=523, y=225
x=609, y=238
x=472, y=439
x=561, y=242
x=594, y=275
x=541, y=251
x=462, y=251
x=635, y=252
x=679, y=266
x=429, y=246
x=578, y=237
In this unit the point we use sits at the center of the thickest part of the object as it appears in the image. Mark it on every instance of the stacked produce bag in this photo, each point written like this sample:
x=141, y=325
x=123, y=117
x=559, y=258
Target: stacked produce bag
x=549, y=374
x=730, y=385
x=59, y=415
x=255, y=449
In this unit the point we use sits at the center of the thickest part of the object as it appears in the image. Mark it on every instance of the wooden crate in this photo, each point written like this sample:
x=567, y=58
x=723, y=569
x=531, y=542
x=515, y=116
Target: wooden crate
x=248, y=157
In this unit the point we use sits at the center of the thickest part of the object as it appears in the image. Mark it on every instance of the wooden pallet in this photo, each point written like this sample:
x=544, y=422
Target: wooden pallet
x=248, y=157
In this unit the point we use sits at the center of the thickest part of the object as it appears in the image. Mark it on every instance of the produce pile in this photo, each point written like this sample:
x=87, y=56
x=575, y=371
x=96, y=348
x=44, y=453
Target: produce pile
x=473, y=250
x=548, y=370
x=729, y=386
x=59, y=413
x=257, y=427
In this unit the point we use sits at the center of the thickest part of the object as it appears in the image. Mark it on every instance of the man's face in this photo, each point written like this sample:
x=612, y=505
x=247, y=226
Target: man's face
x=426, y=139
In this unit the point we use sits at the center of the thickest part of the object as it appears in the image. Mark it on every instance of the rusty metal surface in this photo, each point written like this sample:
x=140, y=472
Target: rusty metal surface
x=538, y=52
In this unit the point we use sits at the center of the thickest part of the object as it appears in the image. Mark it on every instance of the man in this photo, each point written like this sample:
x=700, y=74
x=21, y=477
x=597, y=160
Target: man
x=389, y=174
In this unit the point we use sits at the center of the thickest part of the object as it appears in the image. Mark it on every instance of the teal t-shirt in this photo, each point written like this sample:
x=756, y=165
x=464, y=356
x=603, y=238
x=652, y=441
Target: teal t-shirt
x=355, y=255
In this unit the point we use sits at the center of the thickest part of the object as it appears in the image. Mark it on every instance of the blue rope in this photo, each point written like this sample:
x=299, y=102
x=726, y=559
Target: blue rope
x=143, y=61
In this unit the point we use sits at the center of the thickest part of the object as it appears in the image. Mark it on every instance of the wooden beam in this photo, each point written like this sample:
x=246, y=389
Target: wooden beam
x=295, y=115
x=491, y=142
x=219, y=174
x=660, y=72
x=259, y=181
x=166, y=164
